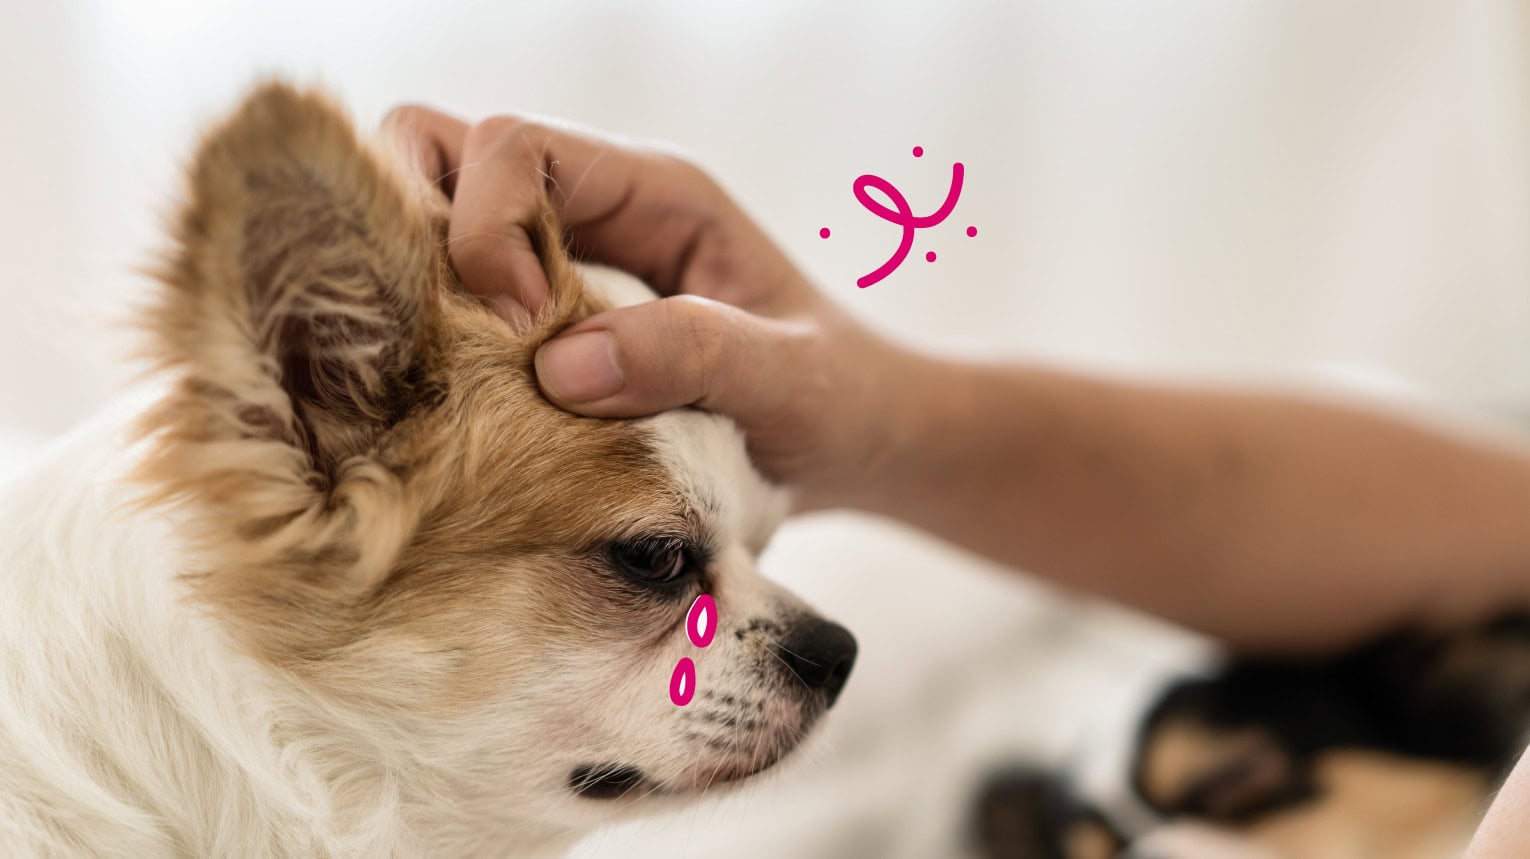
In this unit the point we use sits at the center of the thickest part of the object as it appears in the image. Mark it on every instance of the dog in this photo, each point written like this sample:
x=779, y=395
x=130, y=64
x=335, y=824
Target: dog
x=348, y=585
x=1391, y=749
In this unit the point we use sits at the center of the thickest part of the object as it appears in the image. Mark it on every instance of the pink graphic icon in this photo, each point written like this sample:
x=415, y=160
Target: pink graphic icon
x=682, y=684
x=700, y=621
x=700, y=628
x=902, y=214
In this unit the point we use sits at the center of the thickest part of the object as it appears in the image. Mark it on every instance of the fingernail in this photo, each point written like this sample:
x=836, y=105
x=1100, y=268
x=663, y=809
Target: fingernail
x=580, y=368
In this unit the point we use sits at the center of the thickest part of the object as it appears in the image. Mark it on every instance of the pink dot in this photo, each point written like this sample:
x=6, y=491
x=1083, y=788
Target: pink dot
x=929, y=257
x=918, y=151
x=824, y=233
x=971, y=231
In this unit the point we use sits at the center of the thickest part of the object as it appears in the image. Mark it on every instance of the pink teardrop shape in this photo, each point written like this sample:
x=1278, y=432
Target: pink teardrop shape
x=701, y=621
x=682, y=684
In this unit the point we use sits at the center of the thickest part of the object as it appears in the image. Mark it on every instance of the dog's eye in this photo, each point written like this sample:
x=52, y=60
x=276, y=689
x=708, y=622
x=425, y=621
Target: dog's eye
x=658, y=561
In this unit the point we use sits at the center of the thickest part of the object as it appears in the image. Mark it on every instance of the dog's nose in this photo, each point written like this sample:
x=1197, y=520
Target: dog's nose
x=820, y=654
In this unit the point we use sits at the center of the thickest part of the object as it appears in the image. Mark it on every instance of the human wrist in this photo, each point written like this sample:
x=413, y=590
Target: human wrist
x=890, y=408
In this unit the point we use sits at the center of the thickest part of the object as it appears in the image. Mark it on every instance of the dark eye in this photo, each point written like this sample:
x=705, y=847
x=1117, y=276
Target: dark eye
x=659, y=560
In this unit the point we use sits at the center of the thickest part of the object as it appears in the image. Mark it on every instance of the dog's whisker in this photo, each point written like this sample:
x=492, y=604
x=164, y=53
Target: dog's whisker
x=426, y=605
x=789, y=670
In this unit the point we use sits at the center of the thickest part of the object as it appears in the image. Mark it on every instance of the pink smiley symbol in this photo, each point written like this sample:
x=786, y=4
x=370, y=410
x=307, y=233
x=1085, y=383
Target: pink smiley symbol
x=700, y=628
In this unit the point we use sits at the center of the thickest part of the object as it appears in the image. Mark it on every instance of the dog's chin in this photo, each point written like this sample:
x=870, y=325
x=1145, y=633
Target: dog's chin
x=615, y=781
x=609, y=781
x=618, y=781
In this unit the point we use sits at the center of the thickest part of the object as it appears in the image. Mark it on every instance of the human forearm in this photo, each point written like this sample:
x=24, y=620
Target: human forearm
x=1269, y=520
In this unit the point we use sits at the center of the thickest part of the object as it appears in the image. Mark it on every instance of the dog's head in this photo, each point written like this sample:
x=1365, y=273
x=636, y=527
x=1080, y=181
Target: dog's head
x=385, y=509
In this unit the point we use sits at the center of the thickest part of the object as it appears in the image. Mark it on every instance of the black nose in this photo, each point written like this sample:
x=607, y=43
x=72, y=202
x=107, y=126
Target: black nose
x=820, y=654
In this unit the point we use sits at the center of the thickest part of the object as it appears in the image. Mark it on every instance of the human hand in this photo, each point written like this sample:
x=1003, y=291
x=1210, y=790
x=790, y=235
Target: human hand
x=740, y=331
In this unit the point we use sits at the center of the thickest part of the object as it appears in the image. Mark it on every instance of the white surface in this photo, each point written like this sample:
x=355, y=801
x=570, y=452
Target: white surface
x=1230, y=189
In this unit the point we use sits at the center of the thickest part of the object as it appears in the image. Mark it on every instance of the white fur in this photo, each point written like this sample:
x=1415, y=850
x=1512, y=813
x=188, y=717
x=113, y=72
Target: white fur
x=130, y=725
x=125, y=718
x=705, y=451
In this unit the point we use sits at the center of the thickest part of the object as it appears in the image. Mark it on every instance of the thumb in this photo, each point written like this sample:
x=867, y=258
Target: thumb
x=678, y=351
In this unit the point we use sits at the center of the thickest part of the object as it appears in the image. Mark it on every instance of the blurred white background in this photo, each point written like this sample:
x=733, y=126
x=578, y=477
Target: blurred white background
x=1248, y=190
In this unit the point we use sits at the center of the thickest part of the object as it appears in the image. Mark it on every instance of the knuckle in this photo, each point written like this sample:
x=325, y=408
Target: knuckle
x=408, y=120
x=704, y=327
x=690, y=169
x=705, y=183
x=503, y=131
x=689, y=174
x=405, y=114
x=497, y=126
x=700, y=325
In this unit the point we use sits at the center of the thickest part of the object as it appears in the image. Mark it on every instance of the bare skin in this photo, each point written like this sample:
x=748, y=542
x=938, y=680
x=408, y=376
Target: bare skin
x=1502, y=833
x=1274, y=522
x=1270, y=521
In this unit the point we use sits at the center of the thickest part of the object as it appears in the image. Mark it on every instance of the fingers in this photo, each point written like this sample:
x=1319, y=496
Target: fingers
x=494, y=174
x=679, y=351
x=501, y=186
x=626, y=205
x=434, y=138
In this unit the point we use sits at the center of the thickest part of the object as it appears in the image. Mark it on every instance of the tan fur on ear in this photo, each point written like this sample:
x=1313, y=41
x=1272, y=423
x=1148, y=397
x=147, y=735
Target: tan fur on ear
x=346, y=422
x=297, y=308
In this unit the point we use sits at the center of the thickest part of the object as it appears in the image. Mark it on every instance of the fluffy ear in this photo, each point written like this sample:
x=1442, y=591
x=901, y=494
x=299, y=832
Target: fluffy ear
x=299, y=306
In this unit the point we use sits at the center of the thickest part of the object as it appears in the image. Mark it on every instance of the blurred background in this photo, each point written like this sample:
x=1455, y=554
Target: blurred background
x=1256, y=190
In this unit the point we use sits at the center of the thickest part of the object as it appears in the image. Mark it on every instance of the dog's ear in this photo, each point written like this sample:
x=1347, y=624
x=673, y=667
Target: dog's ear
x=304, y=279
x=299, y=307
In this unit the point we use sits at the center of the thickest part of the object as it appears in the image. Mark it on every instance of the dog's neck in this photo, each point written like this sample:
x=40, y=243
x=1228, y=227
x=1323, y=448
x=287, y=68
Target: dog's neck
x=130, y=725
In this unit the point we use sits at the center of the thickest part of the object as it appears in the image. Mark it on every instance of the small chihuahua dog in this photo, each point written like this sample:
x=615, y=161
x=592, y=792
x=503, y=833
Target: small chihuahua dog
x=350, y=586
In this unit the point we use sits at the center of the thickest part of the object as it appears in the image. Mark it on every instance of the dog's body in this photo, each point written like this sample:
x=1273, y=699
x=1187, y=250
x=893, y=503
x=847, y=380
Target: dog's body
x=129, y=725
x=1392, y=749
x=349, y=586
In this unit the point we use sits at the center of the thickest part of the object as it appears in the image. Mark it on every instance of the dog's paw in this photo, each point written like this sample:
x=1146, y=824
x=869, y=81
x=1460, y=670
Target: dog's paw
x=1027, y=814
